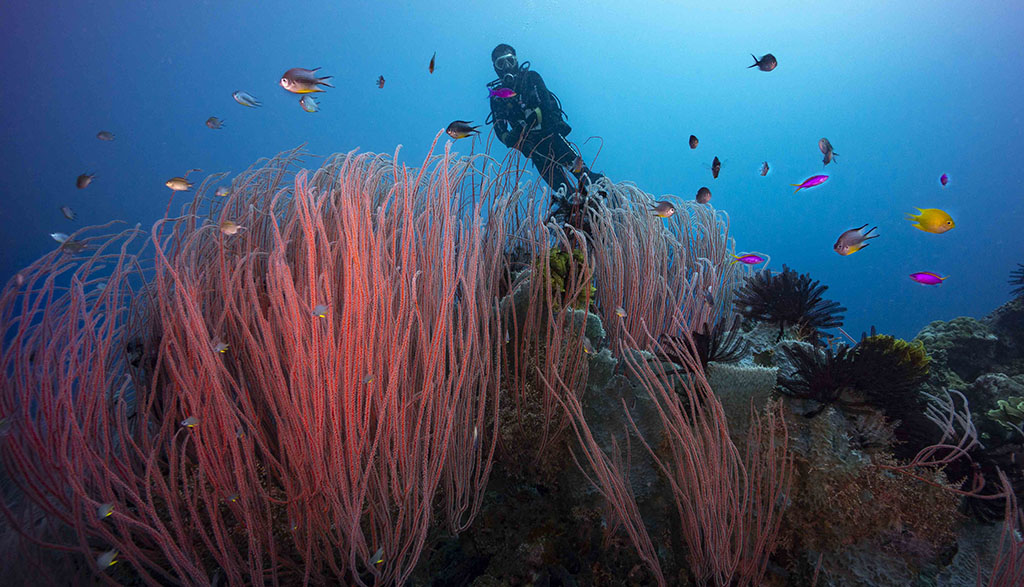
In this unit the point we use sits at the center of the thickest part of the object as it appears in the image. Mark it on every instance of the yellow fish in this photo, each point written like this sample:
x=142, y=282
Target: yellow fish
x=932, y=220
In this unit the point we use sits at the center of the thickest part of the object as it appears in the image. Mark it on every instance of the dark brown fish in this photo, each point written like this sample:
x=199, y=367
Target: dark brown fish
x=432, y=58
x=214, y=123
x=304, y=81
x=703, y=195
x=460, y=129
x=693, y=141
x=765, y=63
x=716, y=166
x=764, y=168
x=84, y=180
x=380, y=82
x=826, y=150
x=577, y=165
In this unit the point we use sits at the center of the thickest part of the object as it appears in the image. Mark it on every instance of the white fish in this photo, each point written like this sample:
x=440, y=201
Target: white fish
x=222, y=192
x=105, y=510
x=59, y=237
x=107, y=558
x=68, y=212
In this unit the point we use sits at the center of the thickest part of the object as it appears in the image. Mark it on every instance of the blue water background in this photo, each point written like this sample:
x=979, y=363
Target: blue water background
x=905, y=92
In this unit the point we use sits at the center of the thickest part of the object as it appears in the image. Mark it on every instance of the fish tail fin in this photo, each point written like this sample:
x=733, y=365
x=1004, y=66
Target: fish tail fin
x=797, y=186
x=322, y=82
x=755, y=61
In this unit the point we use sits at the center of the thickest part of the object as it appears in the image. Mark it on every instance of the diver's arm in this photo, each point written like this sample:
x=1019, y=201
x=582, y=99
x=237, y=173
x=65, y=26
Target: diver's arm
x=540, y=97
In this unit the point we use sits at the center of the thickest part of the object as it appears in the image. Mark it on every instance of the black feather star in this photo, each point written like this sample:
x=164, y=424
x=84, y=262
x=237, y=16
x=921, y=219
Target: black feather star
x=788, y=299
x=1017, y=278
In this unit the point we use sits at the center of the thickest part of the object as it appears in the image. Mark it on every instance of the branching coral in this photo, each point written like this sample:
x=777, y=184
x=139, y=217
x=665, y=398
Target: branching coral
x=788, y=299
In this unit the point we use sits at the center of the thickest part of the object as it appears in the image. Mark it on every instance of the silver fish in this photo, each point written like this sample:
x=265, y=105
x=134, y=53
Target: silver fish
x=309, y=104
x=105, y=135
x=853, y=240
x=222, y=192
x=246, y=99
x=59, y=237
x=107, y=559
x=178, y=184
x=303, y=81
x=68, y=212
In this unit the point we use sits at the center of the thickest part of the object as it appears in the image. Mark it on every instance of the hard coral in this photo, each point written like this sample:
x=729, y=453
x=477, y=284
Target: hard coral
x=788, y=299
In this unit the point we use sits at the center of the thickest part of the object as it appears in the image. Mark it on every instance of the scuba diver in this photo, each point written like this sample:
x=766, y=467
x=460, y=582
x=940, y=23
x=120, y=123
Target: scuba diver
x=528, y=117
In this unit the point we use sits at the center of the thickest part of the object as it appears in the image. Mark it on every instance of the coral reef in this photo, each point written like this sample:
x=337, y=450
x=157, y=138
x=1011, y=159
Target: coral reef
x=1017, y=280
x=788, y=299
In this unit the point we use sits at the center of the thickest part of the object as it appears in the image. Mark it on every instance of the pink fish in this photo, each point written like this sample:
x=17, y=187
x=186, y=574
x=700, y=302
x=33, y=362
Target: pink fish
x=810, y=182
x=503, y=93
x=944, y=179
x=750, y=259
x=927, y=278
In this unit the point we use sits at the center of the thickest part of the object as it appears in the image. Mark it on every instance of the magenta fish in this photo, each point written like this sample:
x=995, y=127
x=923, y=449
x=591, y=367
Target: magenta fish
x=503, y=93
x=810, y=182
x=927, y=278
x=750, y=259
x=944, y=179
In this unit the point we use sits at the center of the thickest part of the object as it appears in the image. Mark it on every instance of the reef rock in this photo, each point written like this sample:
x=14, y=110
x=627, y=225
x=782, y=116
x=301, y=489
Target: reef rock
x=961, y=350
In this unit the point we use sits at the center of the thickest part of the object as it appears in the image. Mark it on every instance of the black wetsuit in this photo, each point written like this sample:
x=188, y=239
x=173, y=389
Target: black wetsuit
x=532, y=121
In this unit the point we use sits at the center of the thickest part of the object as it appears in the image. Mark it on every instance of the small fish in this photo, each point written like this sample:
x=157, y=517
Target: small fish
x=764, y=168
x=927, y=278
x=101, y=286
x=367, y=379
x=105, y=135
x=320, y=311
x=380, y=82
x=378, y=557
x=853, y=240
x=178, y=184
x=232, y=498
x=229, y=228
x=693, y=141
x=222, y=192
x=72, y=246
x=303, y=81
x=577, y=165
x=190, y=422
x=766, y=63
x=826, y=150
x=460, y=129
x=432, y=59
x=214, y=123
x=107, y=559
x=68, y=212
x=309, y=104
x=943, y=179
x=588, y=347
x=503, y=93
x=59, y=237
x=703, y=195
x=709, y=298
x=620, y=312
x=246, y=99
x=508, y=337
x=84, y=180
x=220, y=347
x=810, y=182
x=932, y=220
x=716, y=166
x=105, y=510
x=663, y=209
x=750, y=259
